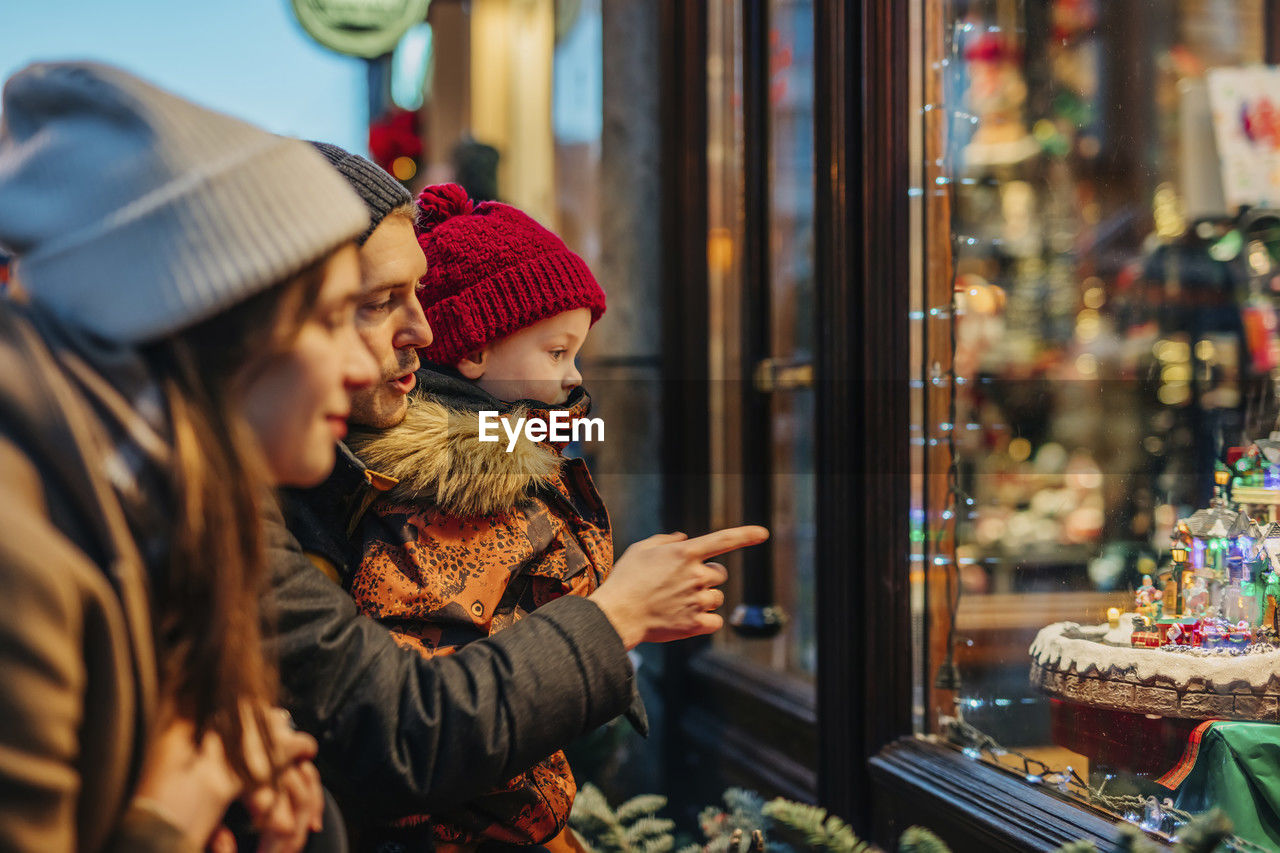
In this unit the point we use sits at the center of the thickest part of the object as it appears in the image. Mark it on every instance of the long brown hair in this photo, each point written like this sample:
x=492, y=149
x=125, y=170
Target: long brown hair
x=208, y=611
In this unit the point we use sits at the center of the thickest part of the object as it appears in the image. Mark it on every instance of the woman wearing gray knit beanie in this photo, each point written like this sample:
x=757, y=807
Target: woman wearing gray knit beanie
x=182, y=340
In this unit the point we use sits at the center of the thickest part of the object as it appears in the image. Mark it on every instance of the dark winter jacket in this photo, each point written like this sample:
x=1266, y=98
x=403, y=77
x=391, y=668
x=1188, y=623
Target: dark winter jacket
x=401, y=733
x=470, y=539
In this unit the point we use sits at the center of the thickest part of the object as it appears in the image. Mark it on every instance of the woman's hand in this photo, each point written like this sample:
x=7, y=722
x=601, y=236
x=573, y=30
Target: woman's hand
x=285, y=816
x=191, y=785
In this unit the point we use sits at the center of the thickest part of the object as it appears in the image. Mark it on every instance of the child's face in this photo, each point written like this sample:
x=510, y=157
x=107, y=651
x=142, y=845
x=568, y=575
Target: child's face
x=535, y=363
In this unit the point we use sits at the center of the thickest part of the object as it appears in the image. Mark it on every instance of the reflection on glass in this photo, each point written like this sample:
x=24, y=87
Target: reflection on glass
x=1094, y=333
x=791, y=333
x=782, y=370
x=725, y=221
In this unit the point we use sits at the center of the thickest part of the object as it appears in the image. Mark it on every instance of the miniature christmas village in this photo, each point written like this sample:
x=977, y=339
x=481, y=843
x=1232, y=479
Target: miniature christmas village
x=1213, y=604
x=1221, y=584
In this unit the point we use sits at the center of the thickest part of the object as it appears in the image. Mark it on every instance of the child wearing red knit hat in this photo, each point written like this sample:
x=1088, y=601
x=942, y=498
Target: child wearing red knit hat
x=475, y=533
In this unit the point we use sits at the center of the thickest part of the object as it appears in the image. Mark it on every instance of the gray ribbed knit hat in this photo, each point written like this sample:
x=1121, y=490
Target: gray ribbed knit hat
x=133, y=213
x=380, y=191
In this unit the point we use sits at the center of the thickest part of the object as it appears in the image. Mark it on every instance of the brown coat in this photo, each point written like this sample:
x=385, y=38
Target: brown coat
x=77, y=664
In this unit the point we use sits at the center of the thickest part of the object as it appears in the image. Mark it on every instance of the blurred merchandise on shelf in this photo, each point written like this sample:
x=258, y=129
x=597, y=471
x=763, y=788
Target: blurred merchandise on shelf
x=1097, y=373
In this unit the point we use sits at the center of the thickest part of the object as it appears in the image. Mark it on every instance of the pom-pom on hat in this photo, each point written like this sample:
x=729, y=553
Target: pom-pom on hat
x=491, y=271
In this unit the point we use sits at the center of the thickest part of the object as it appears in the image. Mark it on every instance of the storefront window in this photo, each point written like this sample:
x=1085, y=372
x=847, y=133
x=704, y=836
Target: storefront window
x=761, y=304
x=1093, y=397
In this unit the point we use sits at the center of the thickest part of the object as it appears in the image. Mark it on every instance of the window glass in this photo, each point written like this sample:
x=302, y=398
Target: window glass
x=761, y=343
x=725, y=227
x=791, y=321
x=1093, y=318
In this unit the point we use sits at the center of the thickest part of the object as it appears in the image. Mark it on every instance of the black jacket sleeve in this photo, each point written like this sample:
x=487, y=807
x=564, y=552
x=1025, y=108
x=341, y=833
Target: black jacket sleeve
x=400, y=733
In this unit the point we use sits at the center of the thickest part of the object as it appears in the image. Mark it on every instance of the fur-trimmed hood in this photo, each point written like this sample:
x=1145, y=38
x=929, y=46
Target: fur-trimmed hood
x=437, y=456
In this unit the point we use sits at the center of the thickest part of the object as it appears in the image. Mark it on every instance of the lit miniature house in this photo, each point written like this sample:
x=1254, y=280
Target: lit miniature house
x=1255, y=484
x=1222, y=559
x=1220, y=535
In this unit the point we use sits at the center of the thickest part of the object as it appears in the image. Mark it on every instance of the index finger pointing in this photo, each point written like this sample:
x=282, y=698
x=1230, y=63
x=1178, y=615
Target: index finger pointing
x=729, y=539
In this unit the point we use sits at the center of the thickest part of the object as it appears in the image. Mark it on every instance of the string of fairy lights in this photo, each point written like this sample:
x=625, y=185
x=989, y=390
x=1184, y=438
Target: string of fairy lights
x=1146, y=812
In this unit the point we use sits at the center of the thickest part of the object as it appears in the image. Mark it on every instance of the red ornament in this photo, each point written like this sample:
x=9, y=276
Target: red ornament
x=395, y=135
x=992, y=48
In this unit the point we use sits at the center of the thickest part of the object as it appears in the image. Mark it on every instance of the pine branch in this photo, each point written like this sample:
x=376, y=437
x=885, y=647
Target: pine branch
x=1130, y=839
x=821, y=830
x=658, y=845
x=719, y=844
x=596, y=822
x=648, y=828
x=641, y=806
x=742, y=800
x=590, y=803
x=917, y=839
x=633, y=828
x=1204, y=833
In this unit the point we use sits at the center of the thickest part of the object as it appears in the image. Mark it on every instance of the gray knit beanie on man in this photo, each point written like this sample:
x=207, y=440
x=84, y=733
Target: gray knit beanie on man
x=380, y=192
x=134, y=213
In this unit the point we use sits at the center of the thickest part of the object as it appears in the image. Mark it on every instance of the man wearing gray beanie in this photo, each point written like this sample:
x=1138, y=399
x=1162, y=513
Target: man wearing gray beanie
x=399, y=732
x=381, y=193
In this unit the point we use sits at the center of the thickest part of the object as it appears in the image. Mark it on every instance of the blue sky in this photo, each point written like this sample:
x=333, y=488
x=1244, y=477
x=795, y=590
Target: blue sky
x=245, y=57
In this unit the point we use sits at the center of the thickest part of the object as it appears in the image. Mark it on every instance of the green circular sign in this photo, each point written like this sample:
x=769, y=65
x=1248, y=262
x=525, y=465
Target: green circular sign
x=366, y=28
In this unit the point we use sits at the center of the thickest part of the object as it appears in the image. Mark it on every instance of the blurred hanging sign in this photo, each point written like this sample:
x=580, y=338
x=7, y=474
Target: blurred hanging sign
x=1246, y=122
x=365, y=28
x=410, y=63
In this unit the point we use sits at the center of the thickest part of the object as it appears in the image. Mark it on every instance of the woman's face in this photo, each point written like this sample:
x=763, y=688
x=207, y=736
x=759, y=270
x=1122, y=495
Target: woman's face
x=297, y=402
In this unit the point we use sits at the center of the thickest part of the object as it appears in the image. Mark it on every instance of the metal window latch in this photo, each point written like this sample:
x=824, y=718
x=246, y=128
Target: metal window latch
x=758, y=621
x=772, y=374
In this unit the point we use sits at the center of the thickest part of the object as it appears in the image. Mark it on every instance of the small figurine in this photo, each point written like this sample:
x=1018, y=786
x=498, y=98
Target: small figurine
x=1145, y=599
x=1197, y=598
x=1240, y=635
x=1269, y=587
x=1213, y=633
x=1182, y=534
x=1248, y=468
x=997, y=99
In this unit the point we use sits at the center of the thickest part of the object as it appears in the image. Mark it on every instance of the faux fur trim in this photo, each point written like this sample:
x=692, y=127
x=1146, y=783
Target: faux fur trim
x=437, y=456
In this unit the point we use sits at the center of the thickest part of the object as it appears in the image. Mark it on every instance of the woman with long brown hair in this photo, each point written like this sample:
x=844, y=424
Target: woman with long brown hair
x=183, y=341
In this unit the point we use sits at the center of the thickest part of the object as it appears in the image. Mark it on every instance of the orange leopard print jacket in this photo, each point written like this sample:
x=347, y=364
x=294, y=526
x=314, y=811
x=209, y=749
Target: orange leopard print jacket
x=471, y=539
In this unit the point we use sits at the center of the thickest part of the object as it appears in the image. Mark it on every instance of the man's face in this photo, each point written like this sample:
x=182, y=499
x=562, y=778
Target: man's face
x=390, y=320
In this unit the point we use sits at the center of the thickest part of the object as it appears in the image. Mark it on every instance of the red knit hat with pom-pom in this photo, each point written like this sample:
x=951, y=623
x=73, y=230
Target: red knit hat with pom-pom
x=491, y=271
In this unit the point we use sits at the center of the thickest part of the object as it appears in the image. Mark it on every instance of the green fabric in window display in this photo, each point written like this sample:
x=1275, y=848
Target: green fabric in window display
x=1236, y=767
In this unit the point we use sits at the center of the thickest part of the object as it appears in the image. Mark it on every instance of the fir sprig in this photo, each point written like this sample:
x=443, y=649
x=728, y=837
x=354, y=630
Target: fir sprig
x=821, y=830
x=633, y=828
x=1205, y=833
x=917, y=839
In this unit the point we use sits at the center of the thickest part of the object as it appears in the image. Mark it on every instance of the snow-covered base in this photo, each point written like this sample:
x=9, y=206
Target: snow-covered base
x=1095, y=665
